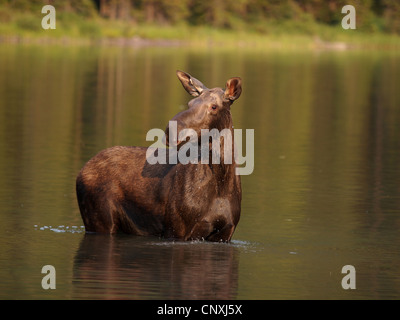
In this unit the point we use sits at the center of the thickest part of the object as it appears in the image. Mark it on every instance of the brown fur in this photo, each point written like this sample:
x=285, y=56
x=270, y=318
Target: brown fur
x=119, y=191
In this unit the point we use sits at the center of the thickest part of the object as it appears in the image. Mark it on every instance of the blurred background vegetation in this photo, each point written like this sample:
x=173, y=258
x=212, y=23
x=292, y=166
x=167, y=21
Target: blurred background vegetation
x=199, y=19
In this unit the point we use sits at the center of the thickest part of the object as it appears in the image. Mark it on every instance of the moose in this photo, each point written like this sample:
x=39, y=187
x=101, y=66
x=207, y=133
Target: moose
x=118, y=190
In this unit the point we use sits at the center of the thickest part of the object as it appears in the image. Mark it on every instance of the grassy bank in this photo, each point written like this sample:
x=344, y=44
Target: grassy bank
x=72, y=28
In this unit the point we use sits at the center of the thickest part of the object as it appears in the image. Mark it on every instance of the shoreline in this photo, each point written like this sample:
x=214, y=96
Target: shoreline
x=290, y=42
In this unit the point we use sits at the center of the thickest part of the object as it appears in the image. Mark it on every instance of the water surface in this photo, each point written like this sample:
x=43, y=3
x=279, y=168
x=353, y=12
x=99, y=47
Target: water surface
x=324, y=193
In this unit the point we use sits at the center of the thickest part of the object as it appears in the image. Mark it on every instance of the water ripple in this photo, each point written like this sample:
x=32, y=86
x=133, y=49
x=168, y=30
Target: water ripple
x=61, y=228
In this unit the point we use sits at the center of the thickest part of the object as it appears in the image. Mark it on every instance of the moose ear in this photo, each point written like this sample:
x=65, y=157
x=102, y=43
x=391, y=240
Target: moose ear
x=191, y=84
x=233, y=88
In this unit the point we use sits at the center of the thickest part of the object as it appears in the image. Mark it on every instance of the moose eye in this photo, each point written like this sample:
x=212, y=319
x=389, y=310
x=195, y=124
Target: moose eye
x=214, y=107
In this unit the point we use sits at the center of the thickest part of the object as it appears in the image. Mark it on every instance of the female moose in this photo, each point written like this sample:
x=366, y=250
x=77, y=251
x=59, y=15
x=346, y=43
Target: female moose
x=119, y=191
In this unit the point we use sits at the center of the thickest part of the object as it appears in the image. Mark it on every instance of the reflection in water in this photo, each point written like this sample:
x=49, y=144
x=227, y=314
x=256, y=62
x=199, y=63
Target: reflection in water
x=127, y=267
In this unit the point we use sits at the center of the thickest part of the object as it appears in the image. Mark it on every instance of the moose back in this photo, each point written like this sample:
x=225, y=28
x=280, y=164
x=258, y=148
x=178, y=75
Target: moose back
x=118, y=190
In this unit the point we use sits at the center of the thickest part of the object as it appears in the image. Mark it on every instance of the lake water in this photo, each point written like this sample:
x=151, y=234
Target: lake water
x=324, y=193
